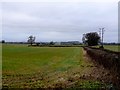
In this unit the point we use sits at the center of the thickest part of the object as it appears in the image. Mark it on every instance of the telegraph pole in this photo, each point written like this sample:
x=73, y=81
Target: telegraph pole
x=101, y=32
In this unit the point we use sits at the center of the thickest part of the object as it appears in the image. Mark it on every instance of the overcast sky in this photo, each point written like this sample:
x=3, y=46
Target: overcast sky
x=58, y=21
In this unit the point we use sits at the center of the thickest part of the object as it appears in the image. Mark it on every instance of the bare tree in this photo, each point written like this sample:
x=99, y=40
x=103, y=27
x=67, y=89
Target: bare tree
x=31, y=40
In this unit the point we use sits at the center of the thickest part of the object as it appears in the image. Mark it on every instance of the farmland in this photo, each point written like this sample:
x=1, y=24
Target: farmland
x=112, y=47
x=43, y=67
x=115, y=48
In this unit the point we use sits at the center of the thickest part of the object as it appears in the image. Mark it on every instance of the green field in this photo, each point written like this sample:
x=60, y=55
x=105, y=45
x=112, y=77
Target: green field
x=43, y=67
x=115, y=48
x=112, y=47
x=22, y=58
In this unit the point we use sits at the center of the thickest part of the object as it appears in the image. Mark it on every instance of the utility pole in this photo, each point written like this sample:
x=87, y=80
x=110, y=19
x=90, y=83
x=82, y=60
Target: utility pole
x=101, y=32
x=100, y=35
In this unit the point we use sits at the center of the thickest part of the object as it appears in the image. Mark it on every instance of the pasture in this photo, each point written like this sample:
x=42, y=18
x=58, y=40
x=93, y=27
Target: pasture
x=112, y=47
x=115, y=48
x=44, y=67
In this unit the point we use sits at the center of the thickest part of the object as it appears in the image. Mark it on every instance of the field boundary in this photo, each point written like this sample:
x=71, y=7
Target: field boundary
x=108, y=59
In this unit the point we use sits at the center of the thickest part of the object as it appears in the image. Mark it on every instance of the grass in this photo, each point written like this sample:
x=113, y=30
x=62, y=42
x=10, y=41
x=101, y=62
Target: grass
x=23, y=58
x=42, y=67
x=112, y=47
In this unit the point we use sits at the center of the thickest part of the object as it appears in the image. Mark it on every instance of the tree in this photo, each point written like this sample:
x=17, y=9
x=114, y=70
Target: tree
x=3, y=41
x=91, y=39
x=51, y=43
x=31, y=39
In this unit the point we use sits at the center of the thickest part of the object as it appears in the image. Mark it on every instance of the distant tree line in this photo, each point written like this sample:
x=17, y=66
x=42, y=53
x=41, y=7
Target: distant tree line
x=89, y=39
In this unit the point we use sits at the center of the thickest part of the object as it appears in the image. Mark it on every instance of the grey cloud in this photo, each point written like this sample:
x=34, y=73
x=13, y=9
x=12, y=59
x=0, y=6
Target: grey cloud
x=57, y=21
